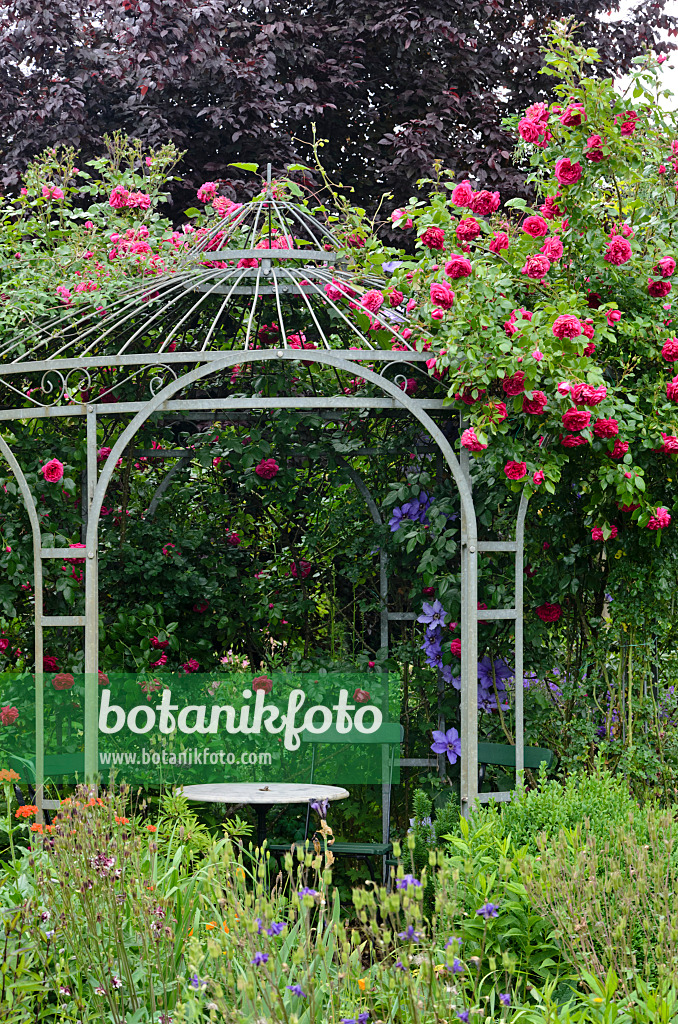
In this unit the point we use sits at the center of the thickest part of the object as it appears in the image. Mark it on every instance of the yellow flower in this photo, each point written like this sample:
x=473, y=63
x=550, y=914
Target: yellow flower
x=361, y=984
x=597, y=999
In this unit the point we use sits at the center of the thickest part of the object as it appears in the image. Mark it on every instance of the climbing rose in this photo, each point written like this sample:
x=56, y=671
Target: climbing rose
x=586, y=394
x=485, y=203
x=660, y=520
x=566, y=172
x=549, y=612
x=361, y=696
x=535, y=405
x=53, y=471
x=409, y=386
x=612, y=316
x=395, y=297
x=672, y=390
x=442, y=295
x=397, y=216
x=552, y=248
x=589, y=349
x=303, y=570
x=118, y=198
x=606, y=428
x=538, y=477
x=207, y=191
x=666, y=267
x=233, y=539
x=497, y=411
x=462, y=194
x=597, y=533
x=566, y=326
x=515, y=470
x=262, y=683
x=471, y=442
x=191, y=665
x=499, y=242
x=536, y=266
x=670, y=445
x=372, y=300
x=49, y=663
x=433, y=238
x=619, y=451
x=658, y=289
x=63, y=681
x=455, y=647
x=572, y=115
x=52, y=192
x=594, y=151
x=550, y=208
x=468, y=229
x=535, y=226
x=588, y=328
x=8, y=715
x=572, y=440
x=533, y=131
x=267, y=469
x=618, y=251
x=458, y=266
x=576, y=419
x=514, y=385
x=670, y=350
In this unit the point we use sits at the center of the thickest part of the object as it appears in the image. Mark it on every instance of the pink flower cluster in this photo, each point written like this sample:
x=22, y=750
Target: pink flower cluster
x=121, y=198
x=532, y=127
x=267, y=469
x=52, y=192
x=471, y=442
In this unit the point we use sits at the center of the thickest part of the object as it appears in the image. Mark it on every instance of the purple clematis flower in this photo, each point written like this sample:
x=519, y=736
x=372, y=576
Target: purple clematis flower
x=391, y=265
x=447, y=743
x=433, y=614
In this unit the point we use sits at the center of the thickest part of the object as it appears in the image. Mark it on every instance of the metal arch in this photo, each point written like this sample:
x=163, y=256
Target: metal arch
x=469, y=544
x=37, y=625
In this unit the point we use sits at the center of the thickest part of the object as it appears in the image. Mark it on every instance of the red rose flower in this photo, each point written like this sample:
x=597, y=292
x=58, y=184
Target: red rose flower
x=549, y=612
x=267, y=469
x=515, y=470
x=660, y=520
x=499, y=242
x=566, y=326
x=455, y=647
x=670, y=350
x=606, y=428
x=360, y=696
x=552, y=248
x=462, y=194
x=672, y=390
x=53, y=471
x=536, y=266
x=594, y=150
x=433, y=238
x=484, y=203
x=458, y=266
x=670, y=444
x=514, y=385
x=49, y=663
x=658, y=289
x=468, y=229
x=262, y=683
x=471, y=442
x=618, y=251
x=576, y=419
x=442, y=295
x=572, y=115
x=538, y=477
x=586, y=394
x=8, y=715
x=666, y=267
x=550, y=209
x=566, y=172
x=619, y=451
x=535, y=226
x=572, y=440
x=63, y=681
x=303, y=570
x=535, y=406
x=597, y=533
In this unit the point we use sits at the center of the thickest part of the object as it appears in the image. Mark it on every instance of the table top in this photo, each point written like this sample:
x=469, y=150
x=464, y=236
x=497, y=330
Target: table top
x=263, y=793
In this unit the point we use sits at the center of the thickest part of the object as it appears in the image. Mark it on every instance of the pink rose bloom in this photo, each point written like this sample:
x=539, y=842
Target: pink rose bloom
x=536, y=267
x=535, y=226
x=497, y=411
x=576, y=419
x=535, y=406
x=619, y=451
x=397, y=218
x=395, y=298
x=606, y=428
x=670, y=444
x=468, y=229
x=49, y=663
x=52, y=192
x=564, y=388
x=433, y=238
x=462, y=194
x=532, y=131
x=537, y=355
x=666, y=266
x=514, y=385
x=572, y=115
x=594, y=149
x=233, y=539
x=362, y=696
x=4, y=643
x=566, y=326
x=191, y=665
x=658, y=289
x=612, y=316
x=118, y=198
x=442, y=295
x=139, y=200
x=458, y=266
x=53, y=471
x=471, y=442
x=538, y=477
x=597, y=533
x=499, y=242
x=660, y=520
x=572, y=440
x=618, y=251
x=670, y=350
x=672, y=390
x=372, y=300
x=550, y=209
x=589, y=349
x=588, y=328
x=566, y=172
x=437, y=314
x=409, y=386
x=552, y=248
x=267, y=469
x=485, y=203
x=162, y=660
x=515, y=470
x=63, y=681
x=207, y=191
x=586, y=394
x=455, y=647
x=8, y=715
x=628, y=126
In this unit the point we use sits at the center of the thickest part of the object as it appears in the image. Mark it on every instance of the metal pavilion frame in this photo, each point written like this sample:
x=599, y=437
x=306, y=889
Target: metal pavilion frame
x=76, y=354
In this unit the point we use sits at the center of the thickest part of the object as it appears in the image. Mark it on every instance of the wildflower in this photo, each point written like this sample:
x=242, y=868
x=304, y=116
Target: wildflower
x=195, y=982
x=400, y=966
x=463, y=1015
x=121, y=821
x=152, y=828
x=505, y=999
x=410, y=934
x=8, y=775
x=296, y=990
x=259, y=958
x=307, y=892
x=457, y=966
x=361, y=984
x=321, y=807
x=275, y=928
x=26, y=811
x=116, y=983
x=408, y=881
x=488, y=910
x=8, y=716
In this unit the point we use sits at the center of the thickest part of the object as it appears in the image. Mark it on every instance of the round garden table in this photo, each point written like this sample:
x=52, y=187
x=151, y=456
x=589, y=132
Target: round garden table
x=262, y=796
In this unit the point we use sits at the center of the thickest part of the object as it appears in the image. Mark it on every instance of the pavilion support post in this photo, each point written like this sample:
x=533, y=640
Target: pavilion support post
x=519, y=587
x=91, y=613
x=469, y=651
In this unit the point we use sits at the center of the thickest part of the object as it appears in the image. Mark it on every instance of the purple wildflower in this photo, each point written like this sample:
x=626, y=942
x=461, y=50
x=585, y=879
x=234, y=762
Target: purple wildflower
x=406, y=881
x=505, y=999
x=307, y=892
x=488, y=910
x=259, y=958
x=463, y=1016
x=297, y=991
x=410, y=934
x=275, y=928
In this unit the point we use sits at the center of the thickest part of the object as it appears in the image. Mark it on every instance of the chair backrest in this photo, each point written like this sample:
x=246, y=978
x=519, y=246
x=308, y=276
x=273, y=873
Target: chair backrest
x=504, y=755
